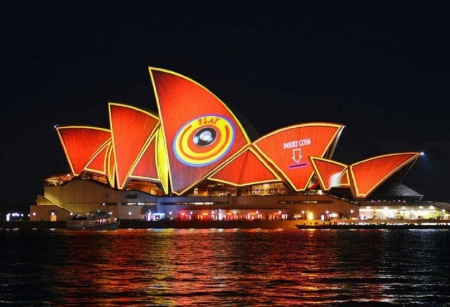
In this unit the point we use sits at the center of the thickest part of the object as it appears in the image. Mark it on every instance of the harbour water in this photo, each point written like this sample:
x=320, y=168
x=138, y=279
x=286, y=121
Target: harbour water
x=224, y=267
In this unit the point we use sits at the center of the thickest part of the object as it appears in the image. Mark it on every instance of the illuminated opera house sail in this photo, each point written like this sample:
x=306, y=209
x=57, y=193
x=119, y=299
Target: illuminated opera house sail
x=194, y=156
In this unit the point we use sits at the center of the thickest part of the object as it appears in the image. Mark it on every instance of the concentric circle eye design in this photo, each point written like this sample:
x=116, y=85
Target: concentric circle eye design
x=204, y=140
x=205, y=137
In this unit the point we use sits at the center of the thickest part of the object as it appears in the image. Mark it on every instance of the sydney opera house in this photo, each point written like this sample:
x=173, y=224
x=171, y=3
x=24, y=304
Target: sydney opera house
x=194, y=159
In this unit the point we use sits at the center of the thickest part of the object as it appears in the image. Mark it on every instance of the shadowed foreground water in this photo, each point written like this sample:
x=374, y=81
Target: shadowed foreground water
x=213, y=267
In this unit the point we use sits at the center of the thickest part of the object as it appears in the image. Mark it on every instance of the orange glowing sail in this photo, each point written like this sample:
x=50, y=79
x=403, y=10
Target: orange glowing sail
x=331, y=174
x=146, y=167
x=369, y=174
x=289, y=149
x=246, y=168
x=200, y=131
x=131, y=130
x=345, y=179
x=98, y=163
x=81, y=144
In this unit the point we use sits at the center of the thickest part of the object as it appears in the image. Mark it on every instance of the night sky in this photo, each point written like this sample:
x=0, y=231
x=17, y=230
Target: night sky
x=379, y=67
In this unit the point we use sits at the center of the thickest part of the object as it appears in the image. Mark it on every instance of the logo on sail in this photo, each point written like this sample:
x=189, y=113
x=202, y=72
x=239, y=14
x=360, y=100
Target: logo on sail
x=204, y=140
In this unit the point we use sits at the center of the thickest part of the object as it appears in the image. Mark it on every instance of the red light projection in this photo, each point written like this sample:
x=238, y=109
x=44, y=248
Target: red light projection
x=369, y=174
x=197, y=137
x=330, y=173
x=289, y=149
x=199, y=129
x=98, y=162
x=131, y=130
x=81, y=144
x=345, y=178
x=146, y=167
x=246, y=168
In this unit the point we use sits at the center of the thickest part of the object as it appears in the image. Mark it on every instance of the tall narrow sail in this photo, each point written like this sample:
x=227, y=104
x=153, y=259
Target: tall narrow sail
x=200, y=131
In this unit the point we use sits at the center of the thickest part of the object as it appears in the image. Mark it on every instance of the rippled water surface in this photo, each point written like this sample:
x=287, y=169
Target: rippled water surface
x=212, y=267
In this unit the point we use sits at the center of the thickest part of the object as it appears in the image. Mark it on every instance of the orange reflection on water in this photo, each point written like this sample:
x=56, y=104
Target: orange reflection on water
x=225, y=267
